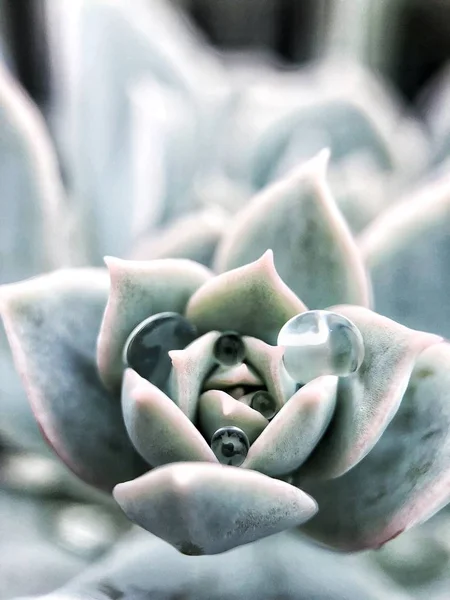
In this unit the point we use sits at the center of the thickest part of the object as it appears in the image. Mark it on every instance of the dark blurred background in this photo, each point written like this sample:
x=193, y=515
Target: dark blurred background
x=417, y=33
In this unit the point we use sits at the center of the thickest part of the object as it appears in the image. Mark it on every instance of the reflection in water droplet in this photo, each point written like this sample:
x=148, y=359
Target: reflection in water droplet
x=230, y=445
x=320, y=342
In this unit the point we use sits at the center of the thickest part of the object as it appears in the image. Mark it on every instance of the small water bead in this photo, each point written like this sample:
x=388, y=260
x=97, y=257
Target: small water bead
x=320, y=342
x=229, y=349
x=265, y=404
x=230, y=445
x=147, y=347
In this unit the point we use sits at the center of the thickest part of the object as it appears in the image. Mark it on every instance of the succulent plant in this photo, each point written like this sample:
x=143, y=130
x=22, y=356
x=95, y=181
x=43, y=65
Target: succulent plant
x=133, y=389
x=188, y=129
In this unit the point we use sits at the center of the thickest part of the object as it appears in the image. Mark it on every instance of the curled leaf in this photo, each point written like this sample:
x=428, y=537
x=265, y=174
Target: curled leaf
x=227, y=377
x=189, y=370
x=159, y=430
x=293, y=433
x=268, y=361
x=218, y=409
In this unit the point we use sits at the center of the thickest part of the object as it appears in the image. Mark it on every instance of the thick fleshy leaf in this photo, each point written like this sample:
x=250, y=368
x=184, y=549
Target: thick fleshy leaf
x=194, y=237
x=293, y=433
x=139, y=290
x=405, y=479
x=252, y=300
x=218, y=409
x=406, y=250
x=227, y=377
x=369, y=399
x=268, y=362
x=159, y=430
x=189, y=369
x=52, y=323
x=314, y=251
x=206, y=509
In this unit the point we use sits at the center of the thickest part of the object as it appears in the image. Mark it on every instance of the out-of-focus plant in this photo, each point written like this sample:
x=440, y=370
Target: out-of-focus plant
x=223, y=127
x=407, y=248
x=281, y=566
x=35, y=226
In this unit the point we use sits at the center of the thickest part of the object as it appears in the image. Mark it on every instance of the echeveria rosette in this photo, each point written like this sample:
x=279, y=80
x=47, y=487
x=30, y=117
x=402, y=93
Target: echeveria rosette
x=375, y=464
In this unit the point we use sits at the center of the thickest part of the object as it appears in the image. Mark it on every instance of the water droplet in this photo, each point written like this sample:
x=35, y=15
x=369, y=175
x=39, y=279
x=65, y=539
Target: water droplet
x=264, y=403
x=229, y=349
x=147, y=347
x=320, y=342
x=230, y=445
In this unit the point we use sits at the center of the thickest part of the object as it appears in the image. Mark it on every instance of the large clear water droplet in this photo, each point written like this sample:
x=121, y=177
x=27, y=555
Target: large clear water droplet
x=229, y=349
x=230, y=445
x=320, y=342
x=147, y=347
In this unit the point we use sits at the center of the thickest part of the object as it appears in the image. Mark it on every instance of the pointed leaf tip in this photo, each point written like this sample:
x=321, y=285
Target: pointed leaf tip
x=251, y=299
x=314, y=251
x=202, y=508
x=138, y=290
x=293, y=433
x=190, y=368
x=52, y=323
x=316, y=167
